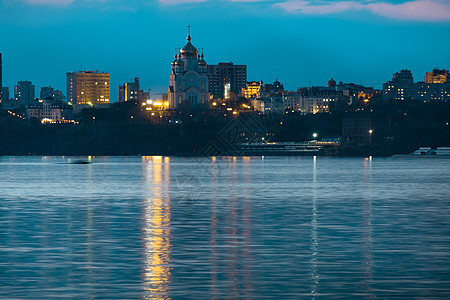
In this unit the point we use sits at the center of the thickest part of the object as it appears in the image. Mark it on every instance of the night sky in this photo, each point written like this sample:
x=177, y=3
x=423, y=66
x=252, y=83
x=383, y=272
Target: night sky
x=301, y=42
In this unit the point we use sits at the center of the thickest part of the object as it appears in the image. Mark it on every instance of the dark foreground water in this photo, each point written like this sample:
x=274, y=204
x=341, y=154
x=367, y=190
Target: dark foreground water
x=224, y=228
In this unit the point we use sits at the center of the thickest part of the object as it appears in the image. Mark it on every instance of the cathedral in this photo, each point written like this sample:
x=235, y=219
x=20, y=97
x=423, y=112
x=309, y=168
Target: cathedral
x=189, y=79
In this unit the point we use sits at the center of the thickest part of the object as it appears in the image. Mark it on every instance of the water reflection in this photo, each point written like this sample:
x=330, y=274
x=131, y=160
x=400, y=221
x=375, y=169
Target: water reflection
x=314, y=239
x=213, y=231
x=156, y=273
x=262, y=229
x=367, y=250
x=230, y=243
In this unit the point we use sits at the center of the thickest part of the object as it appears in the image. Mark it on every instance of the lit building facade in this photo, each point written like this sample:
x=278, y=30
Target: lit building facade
x=402, y=87
x=51, y=111
x=130, y=91
x=437, y=76
x=268, y=105
x=252, y=90
x=189, y=84
x=315, y=100
x=226, y=75
x=88, y=87
x=24, y=93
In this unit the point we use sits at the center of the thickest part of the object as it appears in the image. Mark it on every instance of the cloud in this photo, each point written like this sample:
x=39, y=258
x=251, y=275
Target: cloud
x=419, y=10
x=176, y=2
x=422, y=10
x=51, y=2
x=249, y=1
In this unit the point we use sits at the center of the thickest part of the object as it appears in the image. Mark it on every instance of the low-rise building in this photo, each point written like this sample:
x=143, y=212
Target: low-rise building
x=274, y=88
x=268, y=105
x=252, y=90
x=357, y=130
x=315, y=100
x=51, y=111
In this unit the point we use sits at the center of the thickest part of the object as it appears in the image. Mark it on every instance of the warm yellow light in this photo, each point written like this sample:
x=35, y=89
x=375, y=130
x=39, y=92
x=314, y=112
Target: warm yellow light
x=157, y=103
x=370, y=131
x=166, y=103
x=214, y=103
x=229, y=108
x=234, y=112
x=153, y=114
x=144, y=104
x=148, y=108
x=46, y=120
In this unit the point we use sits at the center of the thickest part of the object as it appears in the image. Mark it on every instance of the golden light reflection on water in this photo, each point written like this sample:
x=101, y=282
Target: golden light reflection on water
x=156, y=273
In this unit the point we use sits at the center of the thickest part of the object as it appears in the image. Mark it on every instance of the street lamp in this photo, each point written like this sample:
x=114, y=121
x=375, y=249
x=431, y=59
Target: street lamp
x=314, y=135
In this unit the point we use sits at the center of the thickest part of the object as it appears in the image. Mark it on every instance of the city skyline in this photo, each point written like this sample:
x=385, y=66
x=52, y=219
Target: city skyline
x=308, y=46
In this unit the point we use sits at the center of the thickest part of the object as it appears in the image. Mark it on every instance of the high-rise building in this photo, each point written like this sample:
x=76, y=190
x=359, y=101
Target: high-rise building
x=437, y=76
x=130, y=91
x=24, y=93
x=402, y=87
x=88, y=87
x=188, y=79
x=404, y=77
x=5, y=93
x=227, y=73
x=48, y=91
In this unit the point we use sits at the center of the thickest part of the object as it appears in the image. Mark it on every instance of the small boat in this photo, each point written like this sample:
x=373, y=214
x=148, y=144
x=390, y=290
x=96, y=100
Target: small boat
x=429, y=151
x=81, y=162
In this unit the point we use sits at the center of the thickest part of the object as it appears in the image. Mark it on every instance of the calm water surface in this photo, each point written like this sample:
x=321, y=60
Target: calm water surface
x=224, y=228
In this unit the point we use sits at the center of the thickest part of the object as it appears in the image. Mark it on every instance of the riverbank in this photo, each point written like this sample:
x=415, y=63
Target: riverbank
x=398, y=128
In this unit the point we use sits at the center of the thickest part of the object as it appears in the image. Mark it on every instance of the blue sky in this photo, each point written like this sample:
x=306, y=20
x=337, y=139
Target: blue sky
x=300, y=42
